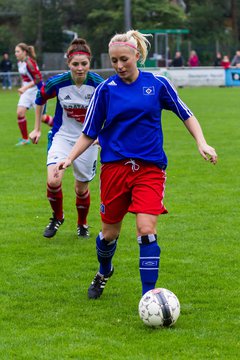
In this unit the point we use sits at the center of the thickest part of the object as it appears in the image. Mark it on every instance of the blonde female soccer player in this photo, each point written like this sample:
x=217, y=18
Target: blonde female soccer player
x=125, y=115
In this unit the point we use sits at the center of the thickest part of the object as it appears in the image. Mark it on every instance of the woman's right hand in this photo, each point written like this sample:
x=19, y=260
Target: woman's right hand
x=21, y=90
x=35, y=136
x=62, y=165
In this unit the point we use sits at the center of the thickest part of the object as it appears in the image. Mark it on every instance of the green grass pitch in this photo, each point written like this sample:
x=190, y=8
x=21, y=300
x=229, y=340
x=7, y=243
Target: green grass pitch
x=44, y=310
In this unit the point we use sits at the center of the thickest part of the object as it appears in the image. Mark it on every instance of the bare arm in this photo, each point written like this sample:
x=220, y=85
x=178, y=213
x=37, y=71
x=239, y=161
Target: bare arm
x=207, y=152
x=80, y=146
x=36, y=133
x=22, y=89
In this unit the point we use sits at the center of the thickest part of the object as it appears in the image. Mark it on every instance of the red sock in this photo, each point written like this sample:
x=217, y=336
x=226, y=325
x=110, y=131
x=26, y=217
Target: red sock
x=22, y=124
x=55, y=197
x=83, y=204
x=47, y=119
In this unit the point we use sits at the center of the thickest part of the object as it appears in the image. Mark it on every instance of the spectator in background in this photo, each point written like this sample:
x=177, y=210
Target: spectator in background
x=178, y=60
x=218, y=59
x=236, y=59
x=193, y=59
x=225, y=63
x=6, y=68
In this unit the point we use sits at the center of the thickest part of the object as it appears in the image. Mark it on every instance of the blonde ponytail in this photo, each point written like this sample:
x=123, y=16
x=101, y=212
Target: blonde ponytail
x=135, y=40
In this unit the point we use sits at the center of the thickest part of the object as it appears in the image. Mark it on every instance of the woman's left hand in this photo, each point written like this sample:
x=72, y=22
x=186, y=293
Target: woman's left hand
x=208, y=153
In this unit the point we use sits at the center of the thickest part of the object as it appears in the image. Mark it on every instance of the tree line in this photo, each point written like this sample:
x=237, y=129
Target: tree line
x=213, y=25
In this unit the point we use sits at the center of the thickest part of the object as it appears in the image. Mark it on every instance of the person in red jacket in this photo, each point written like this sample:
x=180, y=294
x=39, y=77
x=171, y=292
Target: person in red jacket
x=193, y=59
x=225, y=63
x=31, y=82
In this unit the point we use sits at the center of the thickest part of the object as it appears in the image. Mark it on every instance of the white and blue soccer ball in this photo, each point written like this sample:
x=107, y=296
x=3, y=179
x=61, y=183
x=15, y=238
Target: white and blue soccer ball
x=159, y=307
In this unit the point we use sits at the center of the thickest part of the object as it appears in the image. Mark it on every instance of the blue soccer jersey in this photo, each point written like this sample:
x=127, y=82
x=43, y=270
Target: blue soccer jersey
x=126, y=118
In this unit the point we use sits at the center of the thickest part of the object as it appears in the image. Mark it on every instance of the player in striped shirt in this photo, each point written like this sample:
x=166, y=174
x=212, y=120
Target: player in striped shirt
x=73, y=90
x=31, y=82
x=125, y=115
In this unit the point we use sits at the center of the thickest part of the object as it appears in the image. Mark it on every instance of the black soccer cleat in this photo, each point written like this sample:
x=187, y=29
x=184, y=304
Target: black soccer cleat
x=52, y=227
x=82, y=231
x=98, y=284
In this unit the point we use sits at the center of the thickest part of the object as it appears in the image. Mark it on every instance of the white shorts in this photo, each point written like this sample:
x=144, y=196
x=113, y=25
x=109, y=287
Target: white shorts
x=84, y=167
x=27, y=99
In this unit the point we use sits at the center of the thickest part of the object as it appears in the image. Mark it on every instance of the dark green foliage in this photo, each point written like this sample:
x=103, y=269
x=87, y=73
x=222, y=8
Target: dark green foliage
x=157, y=15
x=212, y=24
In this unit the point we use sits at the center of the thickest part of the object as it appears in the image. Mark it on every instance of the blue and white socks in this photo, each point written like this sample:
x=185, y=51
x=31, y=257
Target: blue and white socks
x=105, y=252
x=149, y=258
x=148, y=261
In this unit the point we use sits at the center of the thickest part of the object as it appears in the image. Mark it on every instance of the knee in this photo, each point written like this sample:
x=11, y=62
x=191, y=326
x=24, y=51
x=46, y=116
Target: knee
x=20, y=113
x=81, y=188
x=110, y=234
x=53, y=182
x=146, y=224
x=145, y=229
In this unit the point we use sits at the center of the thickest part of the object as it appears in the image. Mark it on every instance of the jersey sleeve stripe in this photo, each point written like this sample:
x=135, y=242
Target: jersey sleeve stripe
x=91, y=107
x=52, y=81
x=178, y=102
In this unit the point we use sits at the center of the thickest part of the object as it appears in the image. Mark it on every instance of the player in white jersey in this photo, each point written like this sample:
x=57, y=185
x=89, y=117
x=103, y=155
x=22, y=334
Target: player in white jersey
x=31, y=82
x=73, y=90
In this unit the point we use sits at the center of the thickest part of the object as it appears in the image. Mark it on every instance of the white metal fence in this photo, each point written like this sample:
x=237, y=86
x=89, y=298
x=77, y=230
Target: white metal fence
x=180, y=77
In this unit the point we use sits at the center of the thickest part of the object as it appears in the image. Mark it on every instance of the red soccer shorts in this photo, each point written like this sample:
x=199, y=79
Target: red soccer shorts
x=131, y=186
